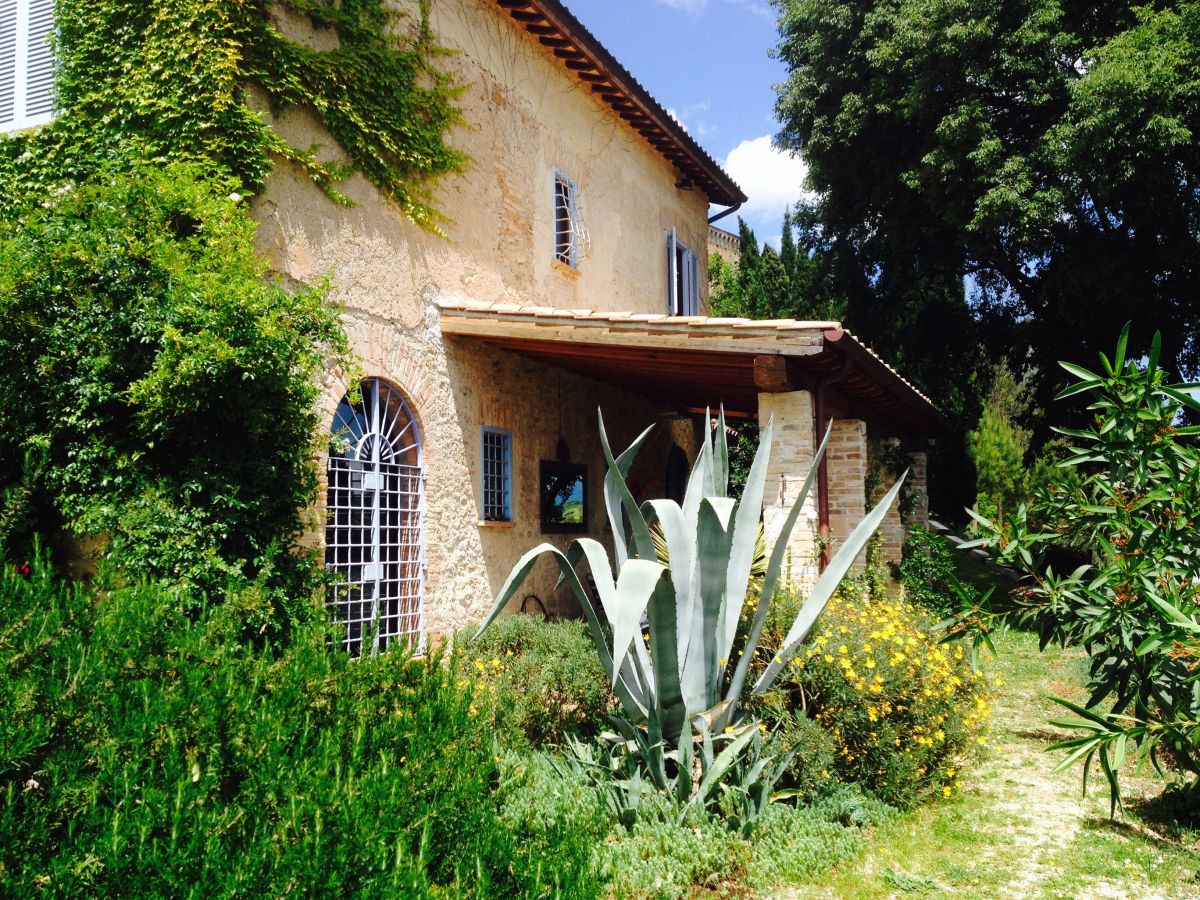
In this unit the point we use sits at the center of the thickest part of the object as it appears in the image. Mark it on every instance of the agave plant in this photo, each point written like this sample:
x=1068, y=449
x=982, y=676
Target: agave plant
x=690, y=674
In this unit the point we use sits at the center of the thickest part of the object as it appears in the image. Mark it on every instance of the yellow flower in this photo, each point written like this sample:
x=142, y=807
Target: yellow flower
x=947, y=791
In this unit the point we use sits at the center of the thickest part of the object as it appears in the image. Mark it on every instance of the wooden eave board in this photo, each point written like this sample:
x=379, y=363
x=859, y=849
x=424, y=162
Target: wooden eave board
x=581, y=54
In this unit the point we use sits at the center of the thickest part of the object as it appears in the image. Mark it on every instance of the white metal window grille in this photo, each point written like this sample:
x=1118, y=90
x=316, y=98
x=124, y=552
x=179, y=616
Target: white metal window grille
x=571, y=238
x=683, y=278
x=373, y=530
x=497, y=475
x=26, y=63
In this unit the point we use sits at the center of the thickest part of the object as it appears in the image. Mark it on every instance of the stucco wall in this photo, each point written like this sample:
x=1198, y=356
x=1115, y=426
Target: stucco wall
x=525, y=115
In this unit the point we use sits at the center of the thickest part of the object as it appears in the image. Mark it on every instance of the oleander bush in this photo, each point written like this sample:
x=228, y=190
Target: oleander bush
x=902, y=710
x=1126, y=491
x=540, y=681
x=143, y=749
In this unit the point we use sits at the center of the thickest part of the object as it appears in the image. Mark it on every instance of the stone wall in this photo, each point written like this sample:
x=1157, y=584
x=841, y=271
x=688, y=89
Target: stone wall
x=791, y=458
x=525, y=115
x=847, y=466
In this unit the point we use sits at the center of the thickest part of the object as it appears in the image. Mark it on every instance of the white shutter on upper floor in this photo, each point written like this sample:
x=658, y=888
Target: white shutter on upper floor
x=39, y=70
x=26, y=63
x=8, y=62
x=672, y=276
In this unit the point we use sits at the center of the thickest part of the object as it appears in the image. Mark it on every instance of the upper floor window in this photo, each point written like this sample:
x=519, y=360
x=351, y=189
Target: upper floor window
x=26, y=63
x=497, y=475
x=571, y=239
x=683, y=278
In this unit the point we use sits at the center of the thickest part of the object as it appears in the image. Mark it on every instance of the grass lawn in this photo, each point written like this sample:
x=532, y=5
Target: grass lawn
x=1018, y=830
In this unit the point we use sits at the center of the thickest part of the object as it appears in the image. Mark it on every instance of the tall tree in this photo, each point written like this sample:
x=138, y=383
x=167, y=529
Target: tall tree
x=1047, y=151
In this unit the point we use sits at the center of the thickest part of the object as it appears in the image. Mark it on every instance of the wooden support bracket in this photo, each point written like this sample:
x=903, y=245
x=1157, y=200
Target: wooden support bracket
x=772, y=373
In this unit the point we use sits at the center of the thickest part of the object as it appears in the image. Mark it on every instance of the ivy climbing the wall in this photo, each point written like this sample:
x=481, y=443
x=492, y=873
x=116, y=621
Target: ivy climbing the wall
x=176, y=80
x=157, y=382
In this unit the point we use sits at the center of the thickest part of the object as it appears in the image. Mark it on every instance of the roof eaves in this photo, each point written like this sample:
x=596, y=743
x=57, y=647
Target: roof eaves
x=557, y=28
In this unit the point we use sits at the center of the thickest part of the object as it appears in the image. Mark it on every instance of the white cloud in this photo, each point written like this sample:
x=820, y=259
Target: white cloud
x=771, y=179
x=757, y=9
x=691, y=117
x=691, y=7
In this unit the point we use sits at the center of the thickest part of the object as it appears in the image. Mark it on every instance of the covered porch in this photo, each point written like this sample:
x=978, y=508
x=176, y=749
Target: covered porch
x=803, y=375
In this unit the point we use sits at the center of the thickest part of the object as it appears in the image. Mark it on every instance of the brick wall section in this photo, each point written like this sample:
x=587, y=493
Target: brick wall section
x=791, y=458
x=847, y=454
x=919, y=479
x=892, y=530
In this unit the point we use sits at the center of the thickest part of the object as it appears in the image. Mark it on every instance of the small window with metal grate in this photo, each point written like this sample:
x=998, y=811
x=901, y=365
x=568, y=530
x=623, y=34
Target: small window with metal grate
x=571, y=238
x=497, y=474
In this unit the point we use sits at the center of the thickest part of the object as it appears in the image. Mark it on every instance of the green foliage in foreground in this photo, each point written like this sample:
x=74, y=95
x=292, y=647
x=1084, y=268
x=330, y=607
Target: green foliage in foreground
x=1129, y=492
x=165, y=382
x=661, y=856
x=144, y=751
x=540, y=680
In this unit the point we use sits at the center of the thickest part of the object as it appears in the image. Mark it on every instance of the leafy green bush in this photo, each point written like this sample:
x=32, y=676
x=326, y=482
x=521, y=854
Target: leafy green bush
x=1128, y=490
x=541, y=680
x=927, y=571
x=554, y=816
x=795, y=843
x=140, y=748
x=169, y=382
x=663, y=857
x=901, y=709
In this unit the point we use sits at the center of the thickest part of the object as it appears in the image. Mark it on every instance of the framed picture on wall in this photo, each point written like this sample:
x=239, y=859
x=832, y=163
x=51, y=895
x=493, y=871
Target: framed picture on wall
x=564, y=500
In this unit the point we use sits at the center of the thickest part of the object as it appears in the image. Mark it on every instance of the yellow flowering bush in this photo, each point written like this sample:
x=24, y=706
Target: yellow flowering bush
x=902, y=710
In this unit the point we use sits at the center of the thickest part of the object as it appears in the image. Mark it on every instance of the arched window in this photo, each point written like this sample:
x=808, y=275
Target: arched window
x=373, y=529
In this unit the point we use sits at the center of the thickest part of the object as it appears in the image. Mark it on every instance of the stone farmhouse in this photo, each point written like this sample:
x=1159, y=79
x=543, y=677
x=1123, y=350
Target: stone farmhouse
x=571, y=280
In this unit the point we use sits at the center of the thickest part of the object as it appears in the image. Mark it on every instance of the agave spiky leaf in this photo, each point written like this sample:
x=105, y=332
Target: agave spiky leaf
x=771, y=579
x=695, y=598
x=826, y=584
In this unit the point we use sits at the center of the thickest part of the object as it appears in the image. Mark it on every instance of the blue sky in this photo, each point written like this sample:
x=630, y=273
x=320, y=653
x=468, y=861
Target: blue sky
x=707, y=62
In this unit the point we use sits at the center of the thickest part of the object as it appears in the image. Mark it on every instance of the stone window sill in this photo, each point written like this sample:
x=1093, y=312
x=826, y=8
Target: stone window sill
x=559, y=266
x=495, y=523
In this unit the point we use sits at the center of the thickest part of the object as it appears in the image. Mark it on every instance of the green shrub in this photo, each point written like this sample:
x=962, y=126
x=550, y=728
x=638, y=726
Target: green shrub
x=168, y=380
x=140, y=748
x=1127, y=491
x=902, y=710
x=541, y=680
x=661, y=857
x=927, y=571
x=814, y=764
x=793, y=844
x=552, y=816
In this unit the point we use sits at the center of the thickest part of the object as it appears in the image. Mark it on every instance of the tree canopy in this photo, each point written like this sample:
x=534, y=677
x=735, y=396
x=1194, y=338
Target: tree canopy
x=1043, y=152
